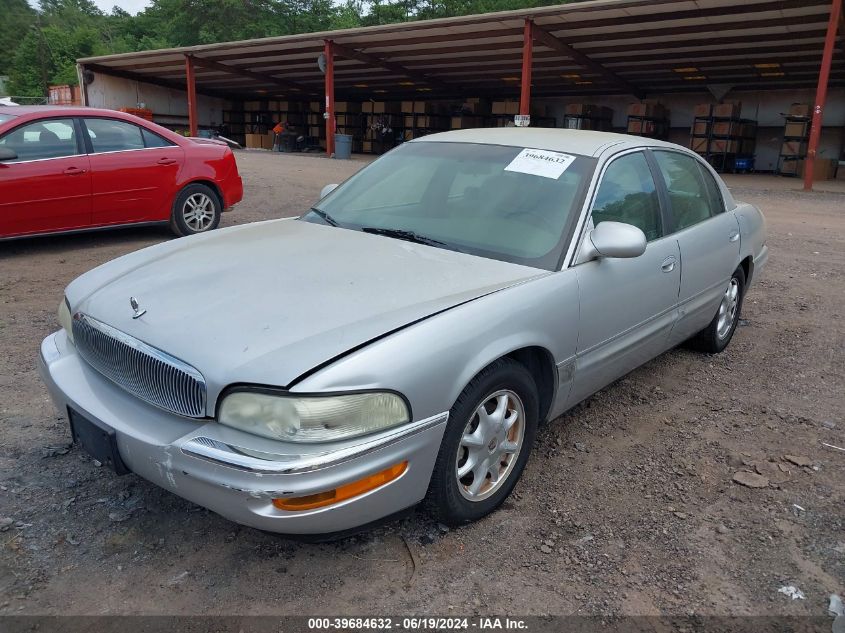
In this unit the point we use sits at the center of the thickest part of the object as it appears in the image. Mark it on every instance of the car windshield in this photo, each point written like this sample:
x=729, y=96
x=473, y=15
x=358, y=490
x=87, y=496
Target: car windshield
x=508, y=203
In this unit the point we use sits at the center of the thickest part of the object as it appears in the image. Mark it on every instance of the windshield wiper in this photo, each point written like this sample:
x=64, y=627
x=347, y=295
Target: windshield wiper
x=408, y=236
x=325, y=216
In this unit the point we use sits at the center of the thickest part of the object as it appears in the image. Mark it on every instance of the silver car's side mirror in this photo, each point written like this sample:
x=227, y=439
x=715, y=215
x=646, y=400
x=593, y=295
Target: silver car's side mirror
x=327, y=190
x=613, y=239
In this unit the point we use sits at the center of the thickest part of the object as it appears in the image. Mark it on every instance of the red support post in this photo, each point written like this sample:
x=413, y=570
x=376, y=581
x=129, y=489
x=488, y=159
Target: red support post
x=821, y=93
x=330, y=118
x=190, y=79
x=527, y=58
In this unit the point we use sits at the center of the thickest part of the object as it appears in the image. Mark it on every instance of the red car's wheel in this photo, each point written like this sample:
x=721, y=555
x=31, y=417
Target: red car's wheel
x=197, y=209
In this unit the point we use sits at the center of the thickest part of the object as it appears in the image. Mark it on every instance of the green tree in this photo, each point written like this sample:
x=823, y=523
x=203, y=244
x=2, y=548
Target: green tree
x=17, y=16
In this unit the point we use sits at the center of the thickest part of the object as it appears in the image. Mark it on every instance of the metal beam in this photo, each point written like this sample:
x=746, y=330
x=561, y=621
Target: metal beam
x=331, y=122
x=547, y=39
x=372, y=60
x=527, y=61
x=164, y=83
x=821, y=93
x=190, y=80
x=240, y=72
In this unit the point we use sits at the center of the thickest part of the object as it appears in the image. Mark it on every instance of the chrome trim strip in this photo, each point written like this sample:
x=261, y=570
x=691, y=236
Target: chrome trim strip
x=141, y=369
x=253, y=461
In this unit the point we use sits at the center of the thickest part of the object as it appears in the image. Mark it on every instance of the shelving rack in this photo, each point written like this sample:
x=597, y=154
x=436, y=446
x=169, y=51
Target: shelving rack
x=727, y=143
x=794, y=146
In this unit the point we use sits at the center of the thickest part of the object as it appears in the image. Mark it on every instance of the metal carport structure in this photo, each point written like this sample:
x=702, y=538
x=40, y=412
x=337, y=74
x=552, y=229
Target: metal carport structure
x=601, y=47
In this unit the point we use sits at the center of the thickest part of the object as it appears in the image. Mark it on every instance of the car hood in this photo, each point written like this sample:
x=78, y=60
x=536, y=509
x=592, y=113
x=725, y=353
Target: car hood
x=267, y=302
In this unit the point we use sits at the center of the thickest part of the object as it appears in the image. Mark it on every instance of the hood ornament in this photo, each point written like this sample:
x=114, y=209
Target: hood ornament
x=138, y=313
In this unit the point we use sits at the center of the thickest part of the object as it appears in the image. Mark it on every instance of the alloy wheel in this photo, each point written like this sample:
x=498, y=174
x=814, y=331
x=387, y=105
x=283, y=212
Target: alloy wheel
x=728, y=309
x=490, y=445
x=198, y=212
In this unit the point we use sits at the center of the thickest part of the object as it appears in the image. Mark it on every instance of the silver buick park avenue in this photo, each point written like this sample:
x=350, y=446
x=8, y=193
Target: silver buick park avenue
x=400, y=342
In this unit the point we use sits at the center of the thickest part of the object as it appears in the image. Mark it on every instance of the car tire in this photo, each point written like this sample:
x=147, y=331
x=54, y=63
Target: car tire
x=197, y=209
x=716, y=336
x=455, y=499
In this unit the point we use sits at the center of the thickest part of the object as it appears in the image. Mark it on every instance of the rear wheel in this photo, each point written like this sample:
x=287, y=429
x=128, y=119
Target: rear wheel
x=716, y=336
x=488, y=438
x=197, y=209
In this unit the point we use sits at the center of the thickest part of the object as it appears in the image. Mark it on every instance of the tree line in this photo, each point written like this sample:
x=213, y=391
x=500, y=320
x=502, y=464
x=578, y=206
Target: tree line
x=39, y=46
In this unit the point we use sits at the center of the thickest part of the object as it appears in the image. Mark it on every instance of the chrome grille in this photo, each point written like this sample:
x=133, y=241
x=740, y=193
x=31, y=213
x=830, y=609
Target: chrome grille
x=140, y=369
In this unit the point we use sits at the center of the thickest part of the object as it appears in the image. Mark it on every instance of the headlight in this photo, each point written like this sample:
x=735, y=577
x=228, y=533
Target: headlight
x=312, y=418
x=65, y=319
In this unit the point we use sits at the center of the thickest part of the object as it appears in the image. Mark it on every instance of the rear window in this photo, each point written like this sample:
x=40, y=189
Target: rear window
x=5, y=117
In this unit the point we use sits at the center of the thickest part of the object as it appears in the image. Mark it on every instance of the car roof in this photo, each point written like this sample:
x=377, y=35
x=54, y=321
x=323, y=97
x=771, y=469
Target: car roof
x=583, y=142
x=47, y=110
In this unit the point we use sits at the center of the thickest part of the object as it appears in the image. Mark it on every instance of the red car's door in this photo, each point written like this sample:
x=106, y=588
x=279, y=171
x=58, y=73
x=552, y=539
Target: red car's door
x=133, y=172
x=47, y=186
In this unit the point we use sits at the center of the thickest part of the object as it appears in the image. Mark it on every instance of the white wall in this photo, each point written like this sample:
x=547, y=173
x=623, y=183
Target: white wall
x=765, y=107
x=169, y=106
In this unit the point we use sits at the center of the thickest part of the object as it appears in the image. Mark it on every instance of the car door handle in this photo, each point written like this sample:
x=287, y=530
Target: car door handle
x=733, y=237
x=166, y=161
x=668, y=264
x=74, y=171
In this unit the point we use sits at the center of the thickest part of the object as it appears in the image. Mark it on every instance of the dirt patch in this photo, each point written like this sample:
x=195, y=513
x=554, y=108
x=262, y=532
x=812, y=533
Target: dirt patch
x=628, y=505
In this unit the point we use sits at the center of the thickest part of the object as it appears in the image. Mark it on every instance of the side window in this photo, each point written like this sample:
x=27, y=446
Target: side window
x=627, y=194
x=151, y=139
x=53, y=138
x=717, y=204
x=111, y=135
x=688, y=196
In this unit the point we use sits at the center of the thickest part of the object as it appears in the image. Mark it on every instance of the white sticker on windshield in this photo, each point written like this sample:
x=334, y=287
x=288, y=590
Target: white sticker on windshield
x=540, y=162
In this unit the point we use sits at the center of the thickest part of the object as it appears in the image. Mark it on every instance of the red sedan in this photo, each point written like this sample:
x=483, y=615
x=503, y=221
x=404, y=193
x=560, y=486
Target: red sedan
x=71, y=169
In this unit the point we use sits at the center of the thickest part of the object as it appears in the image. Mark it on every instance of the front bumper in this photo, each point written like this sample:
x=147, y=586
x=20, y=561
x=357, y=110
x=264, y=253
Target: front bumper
x=236, y=474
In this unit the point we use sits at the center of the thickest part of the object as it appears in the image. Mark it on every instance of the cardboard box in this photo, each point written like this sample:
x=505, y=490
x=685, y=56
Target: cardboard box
x=316, y=131
x=367, y=147
x=703, y=110
x=794, y=148
x=385, y=107
x=315, y=106
x=698, y=145
x=727, y=110
x=637, y=126
x=463, y=122
x=789, y=167
x=252, y=106
x=647, y=109
x=726, y=128
x=800, y=129
x=722, y=146
x=505, y=107
x=476, y=106
x=701, y=128
x=347, y=107
x=268, y=140
x=799, y=109
x=254, y=141
x=406, y=106
x=367, y=107
x=823, y=169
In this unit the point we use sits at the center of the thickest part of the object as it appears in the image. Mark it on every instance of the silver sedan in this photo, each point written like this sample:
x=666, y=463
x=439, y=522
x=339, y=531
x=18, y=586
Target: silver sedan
x=401, y=341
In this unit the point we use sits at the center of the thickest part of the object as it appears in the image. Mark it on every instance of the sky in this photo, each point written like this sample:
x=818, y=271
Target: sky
x=130, y=6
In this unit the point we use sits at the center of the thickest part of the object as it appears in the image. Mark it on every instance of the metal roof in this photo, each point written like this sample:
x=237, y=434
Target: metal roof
x=583, y=48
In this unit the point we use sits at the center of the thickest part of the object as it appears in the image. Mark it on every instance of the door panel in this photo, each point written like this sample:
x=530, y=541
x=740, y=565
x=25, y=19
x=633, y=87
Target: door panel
x=707, y=235
x=628, y=308
x=48, y=188
x=709, y=255
x=131, y=182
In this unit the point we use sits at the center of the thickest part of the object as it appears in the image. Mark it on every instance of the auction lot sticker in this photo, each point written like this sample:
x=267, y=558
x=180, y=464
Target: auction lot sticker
x=540, y=162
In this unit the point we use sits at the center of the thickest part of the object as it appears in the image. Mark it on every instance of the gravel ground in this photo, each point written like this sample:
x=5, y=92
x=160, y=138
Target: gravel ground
x=628, y=505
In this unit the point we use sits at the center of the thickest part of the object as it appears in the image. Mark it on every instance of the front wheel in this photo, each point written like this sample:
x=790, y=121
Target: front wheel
x=716, y=336
x=197, y=209
x=488, y=438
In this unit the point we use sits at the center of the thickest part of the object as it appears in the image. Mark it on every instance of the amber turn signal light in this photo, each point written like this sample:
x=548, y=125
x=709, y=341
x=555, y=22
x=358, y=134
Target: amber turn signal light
x=346, y=491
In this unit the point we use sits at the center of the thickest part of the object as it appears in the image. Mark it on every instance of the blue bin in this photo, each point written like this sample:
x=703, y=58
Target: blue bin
x=342, y=146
